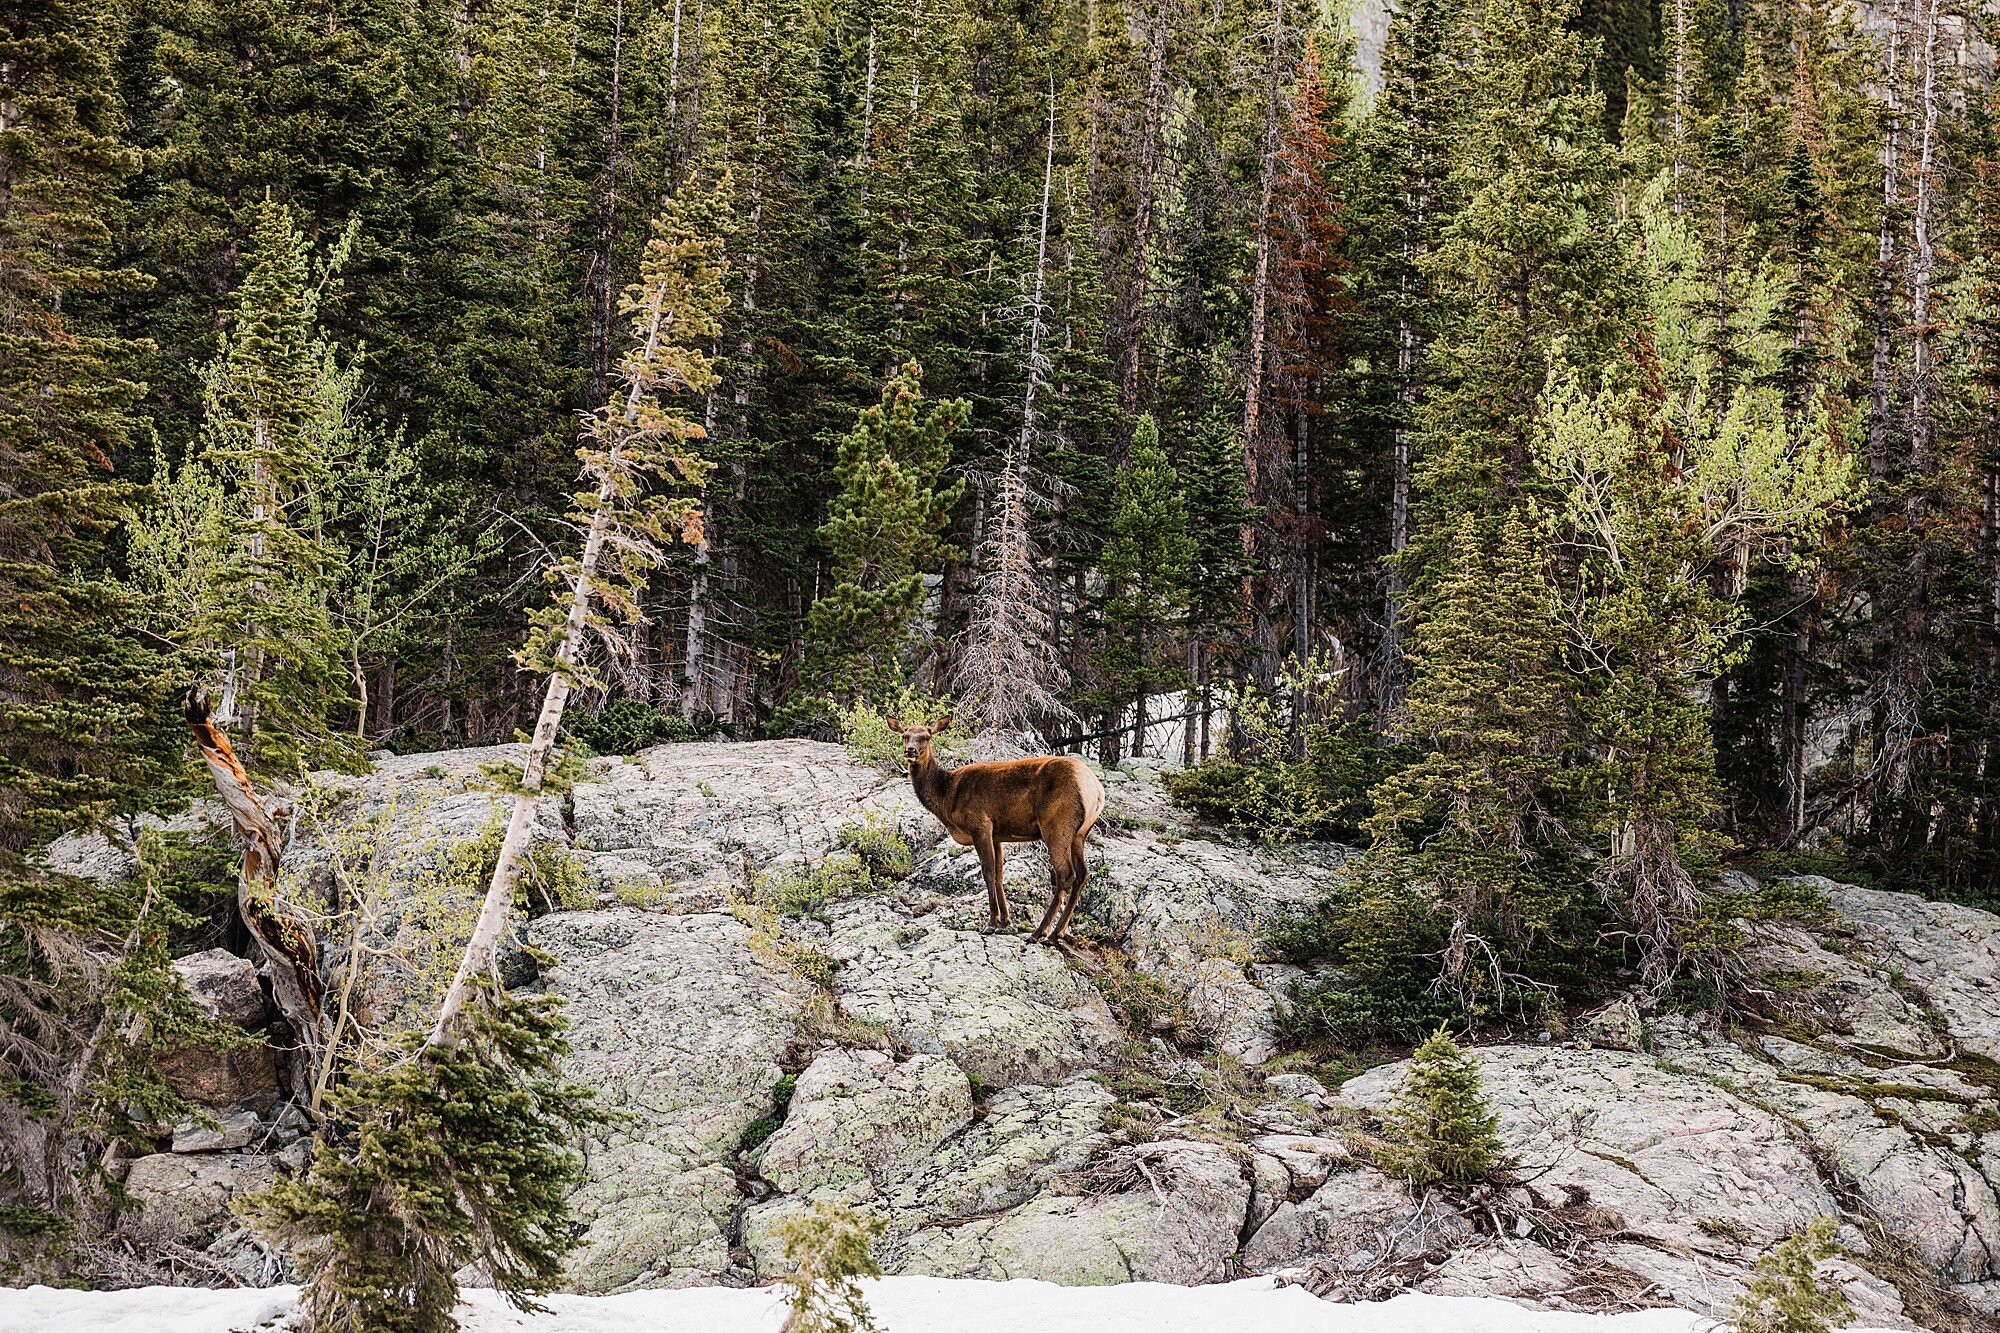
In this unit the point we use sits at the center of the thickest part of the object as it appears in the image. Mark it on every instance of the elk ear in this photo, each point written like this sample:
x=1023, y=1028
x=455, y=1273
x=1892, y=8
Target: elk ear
x=895, y=724
x=942, y=724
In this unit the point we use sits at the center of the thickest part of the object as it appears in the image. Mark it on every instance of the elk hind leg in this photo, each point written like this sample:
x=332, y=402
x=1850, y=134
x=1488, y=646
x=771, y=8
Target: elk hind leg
x=1079, y=871
x=1062, y=875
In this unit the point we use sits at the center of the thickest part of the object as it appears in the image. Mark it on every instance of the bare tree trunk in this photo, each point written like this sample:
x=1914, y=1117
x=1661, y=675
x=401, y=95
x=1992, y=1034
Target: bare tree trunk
x=1923, y=269
x=1142, y=212
x=1881, y=373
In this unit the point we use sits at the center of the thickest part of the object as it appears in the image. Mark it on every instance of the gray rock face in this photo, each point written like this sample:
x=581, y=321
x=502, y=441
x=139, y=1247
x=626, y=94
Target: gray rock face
x=238, y=1129
x=1357, y=1217
x=859, y=1121
x=184, y=1200
x=1931, y=1197
x=1232, y=1012
x=225, y=986
x=680, y=1027
x=1172, y=1212
x=976, y=1094
x=1663, y=1149
x=700, y=819
x=1006, y=1011
x=1949, y=954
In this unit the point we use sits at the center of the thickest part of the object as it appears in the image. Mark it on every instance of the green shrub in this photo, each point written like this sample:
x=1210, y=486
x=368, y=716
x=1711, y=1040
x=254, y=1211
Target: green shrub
x=829, y=1249
x=1317, y=789
x=803, y=893
x=812, y=717
x=871, y=740
x=626, y=726
x=552, y=879
x=764, y=1127
x=1785, y=1295
x=1385, y=935
x=1441, y=1126
x=814, y=966
x=881, y=847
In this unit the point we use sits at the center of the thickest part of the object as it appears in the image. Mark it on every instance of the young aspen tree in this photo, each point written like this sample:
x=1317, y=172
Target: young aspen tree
x=640, y=433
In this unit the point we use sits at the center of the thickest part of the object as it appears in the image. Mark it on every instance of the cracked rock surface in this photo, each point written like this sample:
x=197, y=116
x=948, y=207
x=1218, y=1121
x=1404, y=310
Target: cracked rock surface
x=974, y=1091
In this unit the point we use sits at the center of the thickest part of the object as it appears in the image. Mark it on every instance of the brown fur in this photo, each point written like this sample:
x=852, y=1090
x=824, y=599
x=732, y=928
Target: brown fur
x=1050, y=799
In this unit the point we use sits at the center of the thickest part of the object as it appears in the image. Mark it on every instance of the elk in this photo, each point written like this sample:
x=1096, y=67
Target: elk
x=1050, y=799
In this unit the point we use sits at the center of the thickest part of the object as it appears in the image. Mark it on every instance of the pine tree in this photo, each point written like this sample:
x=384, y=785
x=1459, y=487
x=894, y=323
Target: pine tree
x=1146, y=563
x=828, y=1248
x=1786, y=1294
x=275, y=415
x=1533, y=258
x=787, y=387
x=1480, y=815
x=883, y=529
x=644, y=437
x=84, y=726
x=1404, y=196
x=1442, y=1127
x=441, y=1157
x=1211, y=475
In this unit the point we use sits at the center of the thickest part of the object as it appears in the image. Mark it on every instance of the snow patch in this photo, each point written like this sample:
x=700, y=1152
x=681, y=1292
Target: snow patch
x=901, y=1305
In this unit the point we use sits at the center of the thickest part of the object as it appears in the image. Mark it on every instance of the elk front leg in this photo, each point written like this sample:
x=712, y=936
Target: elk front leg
x=992, y=858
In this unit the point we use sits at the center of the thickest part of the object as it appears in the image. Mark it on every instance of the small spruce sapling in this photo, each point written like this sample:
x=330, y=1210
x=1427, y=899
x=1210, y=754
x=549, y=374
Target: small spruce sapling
x=829, y=1252
x=1441, y=1123
x=1786, y=1295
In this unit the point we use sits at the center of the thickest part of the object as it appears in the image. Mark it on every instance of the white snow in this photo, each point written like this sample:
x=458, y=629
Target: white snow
x=901, y=1305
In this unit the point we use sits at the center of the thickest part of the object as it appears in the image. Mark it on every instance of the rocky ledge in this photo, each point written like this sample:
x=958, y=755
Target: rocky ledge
x=1010, y=1112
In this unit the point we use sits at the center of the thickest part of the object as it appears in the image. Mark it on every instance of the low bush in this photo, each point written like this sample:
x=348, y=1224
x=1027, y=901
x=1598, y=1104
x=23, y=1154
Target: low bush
x=804, y=893
x=881, y=847
x=1441, y=1125
x=1288, y=778
x=626, y=726
x=871, y=740
x=1786, y=1295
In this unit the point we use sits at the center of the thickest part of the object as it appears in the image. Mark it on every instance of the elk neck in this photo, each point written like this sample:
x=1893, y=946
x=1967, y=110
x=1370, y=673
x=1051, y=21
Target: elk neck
x=932, y=782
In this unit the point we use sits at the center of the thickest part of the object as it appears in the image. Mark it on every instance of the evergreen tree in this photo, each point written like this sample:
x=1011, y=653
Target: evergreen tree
x=1211, y=474
x=1404, y=195
x=1441, y=1124
x=1532, y=260
x=1147, y=565
x=443, y=1156
x=1786, y=1294
x=883, y=529
x=1480, y=815
x=84, y=727
x=276, y=421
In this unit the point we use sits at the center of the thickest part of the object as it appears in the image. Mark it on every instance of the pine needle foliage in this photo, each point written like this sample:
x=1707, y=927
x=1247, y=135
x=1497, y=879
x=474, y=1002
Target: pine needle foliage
x=1786, y=1295
x=1442, y=1124
x=828, y=1249
x=884, y=529
x=455, y=1153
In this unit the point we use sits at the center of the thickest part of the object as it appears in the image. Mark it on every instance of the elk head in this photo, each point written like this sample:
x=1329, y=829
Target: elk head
x=917, y=739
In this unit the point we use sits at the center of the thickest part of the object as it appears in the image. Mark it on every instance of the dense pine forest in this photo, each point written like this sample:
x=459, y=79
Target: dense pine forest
x=1556, y=449
x=1581, y=426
